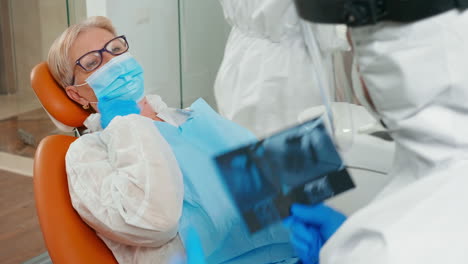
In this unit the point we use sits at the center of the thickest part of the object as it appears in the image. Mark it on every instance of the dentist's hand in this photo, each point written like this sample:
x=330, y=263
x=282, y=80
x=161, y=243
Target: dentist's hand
x=311, y=227
x=112, y=108
x=194, y=250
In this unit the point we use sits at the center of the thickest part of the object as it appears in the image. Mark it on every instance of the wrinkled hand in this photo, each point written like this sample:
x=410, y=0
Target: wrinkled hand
x=147, y=110
x=113, y=108
x=311, y=227
x=194, y=250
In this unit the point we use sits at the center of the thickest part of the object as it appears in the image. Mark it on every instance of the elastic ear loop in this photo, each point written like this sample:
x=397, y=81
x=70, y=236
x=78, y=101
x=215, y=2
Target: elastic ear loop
x=79, y=85
x=85, y=107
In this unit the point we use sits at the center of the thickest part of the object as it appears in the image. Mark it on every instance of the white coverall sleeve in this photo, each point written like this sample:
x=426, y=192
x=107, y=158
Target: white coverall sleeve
x=125, y=182
x=366, y=247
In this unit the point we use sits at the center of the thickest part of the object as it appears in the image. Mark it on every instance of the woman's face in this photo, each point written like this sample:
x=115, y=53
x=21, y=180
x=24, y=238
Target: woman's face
x=89, y=40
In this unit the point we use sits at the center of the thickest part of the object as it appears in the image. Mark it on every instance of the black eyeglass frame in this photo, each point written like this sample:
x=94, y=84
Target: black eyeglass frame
x=104, y=49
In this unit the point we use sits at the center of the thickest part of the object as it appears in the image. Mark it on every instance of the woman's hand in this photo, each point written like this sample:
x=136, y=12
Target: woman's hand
x=147, y=110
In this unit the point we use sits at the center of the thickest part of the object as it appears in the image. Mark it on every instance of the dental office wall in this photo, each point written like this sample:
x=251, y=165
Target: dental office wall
x=180, y=43
x=204, y=33
x=28, y=28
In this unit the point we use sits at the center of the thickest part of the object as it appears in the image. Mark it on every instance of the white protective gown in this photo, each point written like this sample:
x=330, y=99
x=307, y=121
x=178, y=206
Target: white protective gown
x=133, y=202
x=417, y=77
x=267, y=77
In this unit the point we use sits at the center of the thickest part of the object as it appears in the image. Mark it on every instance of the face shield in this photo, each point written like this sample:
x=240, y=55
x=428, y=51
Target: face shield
x=334, y=74
x=388, y=74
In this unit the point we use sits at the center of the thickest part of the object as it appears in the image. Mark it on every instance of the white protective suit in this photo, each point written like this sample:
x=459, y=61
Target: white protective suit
x=417, y=77
x=125, y=183
x=267, y=77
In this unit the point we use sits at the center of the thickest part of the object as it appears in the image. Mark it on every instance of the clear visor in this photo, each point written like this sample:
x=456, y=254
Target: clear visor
x=337, y=78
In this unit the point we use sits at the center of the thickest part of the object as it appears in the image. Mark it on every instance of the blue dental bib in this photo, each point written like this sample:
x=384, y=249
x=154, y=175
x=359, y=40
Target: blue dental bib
x=207, y=204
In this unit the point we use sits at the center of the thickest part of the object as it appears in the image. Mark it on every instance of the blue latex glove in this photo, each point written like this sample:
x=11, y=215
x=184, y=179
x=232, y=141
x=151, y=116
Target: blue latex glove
x=194, y=250
x=311, y=227
x=113, y=108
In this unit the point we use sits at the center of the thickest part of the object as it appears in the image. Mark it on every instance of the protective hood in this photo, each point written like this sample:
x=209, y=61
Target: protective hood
x=417, y=78
x=267, y=77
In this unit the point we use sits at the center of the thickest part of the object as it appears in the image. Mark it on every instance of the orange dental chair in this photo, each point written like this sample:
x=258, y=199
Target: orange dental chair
x=67, y=237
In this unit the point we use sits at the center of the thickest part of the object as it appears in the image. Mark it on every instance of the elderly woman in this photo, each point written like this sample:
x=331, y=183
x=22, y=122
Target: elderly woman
x=144, y=173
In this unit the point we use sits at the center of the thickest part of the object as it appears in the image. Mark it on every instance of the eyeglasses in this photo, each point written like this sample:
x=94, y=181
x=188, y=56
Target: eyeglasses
x=93, y=59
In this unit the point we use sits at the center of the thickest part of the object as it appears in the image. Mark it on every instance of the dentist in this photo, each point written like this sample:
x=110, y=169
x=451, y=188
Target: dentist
x=412, y=59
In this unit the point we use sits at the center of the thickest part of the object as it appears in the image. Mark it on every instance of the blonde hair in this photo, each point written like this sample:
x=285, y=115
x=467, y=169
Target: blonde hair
x=58, y=60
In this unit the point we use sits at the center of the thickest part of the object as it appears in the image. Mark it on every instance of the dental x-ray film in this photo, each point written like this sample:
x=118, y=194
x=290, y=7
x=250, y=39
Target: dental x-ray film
x=297, y=165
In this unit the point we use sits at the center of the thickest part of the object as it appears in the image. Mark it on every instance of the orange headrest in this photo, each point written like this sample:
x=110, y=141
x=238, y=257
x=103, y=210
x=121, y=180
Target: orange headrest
x=54, y=99
x=68, y=238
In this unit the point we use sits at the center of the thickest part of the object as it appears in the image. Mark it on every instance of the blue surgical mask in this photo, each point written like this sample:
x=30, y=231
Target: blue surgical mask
x=120, y=78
